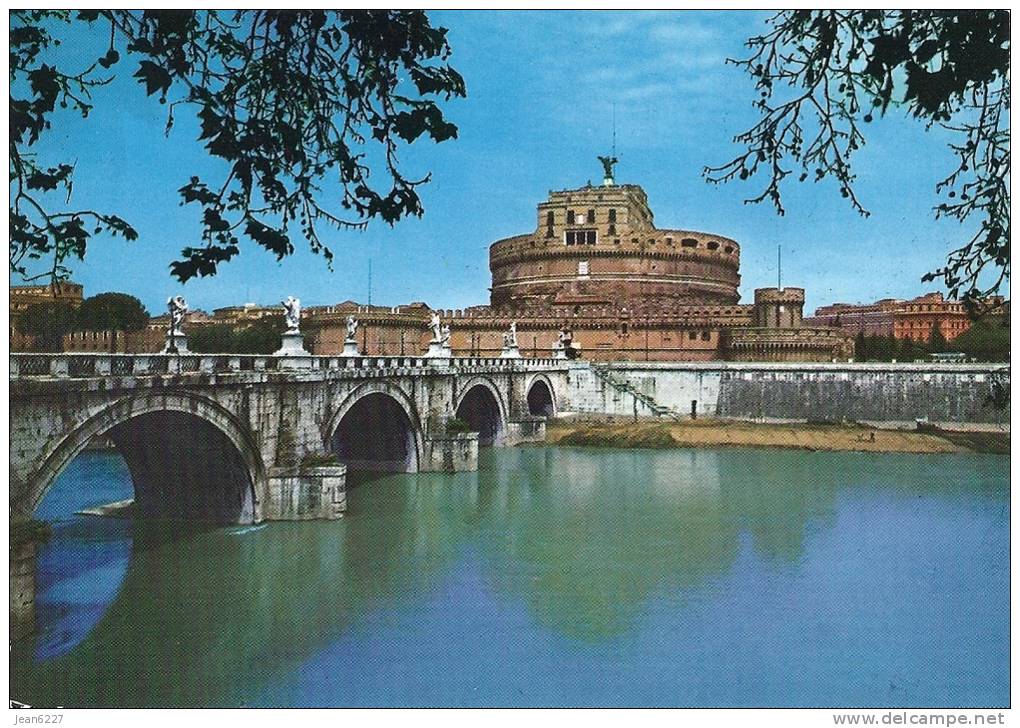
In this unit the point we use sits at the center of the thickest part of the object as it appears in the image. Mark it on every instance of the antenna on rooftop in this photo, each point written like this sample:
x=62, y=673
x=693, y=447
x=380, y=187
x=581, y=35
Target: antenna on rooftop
x=608, y=162
x=614, y=128
x=780, y=281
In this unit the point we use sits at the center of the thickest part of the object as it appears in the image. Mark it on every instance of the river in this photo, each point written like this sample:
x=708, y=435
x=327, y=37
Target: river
x=551, y=577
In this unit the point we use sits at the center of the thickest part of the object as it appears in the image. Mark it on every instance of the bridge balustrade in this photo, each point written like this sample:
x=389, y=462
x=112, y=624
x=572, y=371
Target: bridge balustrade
x=72, y=365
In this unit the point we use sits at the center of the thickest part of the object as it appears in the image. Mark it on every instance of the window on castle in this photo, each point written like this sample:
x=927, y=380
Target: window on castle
x=612, y=215
x=581, y=237
x=688, y=243
x=612, y=229
x=705, y=336
x=713, y=246
x=590, y=219
x=692, y=335
x=549, y=220
x=570, y=217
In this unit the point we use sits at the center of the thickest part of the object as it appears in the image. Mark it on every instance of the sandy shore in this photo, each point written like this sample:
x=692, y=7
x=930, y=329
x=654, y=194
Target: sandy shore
x=719, y=433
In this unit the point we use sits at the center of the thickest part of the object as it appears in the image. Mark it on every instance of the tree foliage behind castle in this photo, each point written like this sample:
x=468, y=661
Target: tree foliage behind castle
x=986, y=340
x=112, y=312
x=257, y=337
x=300, y=106
x=821, y=74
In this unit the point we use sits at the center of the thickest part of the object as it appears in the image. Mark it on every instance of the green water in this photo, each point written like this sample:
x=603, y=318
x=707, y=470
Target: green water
x=552, y=576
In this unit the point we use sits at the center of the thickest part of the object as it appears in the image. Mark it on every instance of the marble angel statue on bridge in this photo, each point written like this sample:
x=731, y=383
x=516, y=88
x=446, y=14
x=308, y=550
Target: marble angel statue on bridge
x=436, y=327
x=510, y=337
x=292, y=313
x=177, y=307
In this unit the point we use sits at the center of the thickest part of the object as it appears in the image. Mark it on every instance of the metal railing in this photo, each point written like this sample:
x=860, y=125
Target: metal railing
x=81, y=366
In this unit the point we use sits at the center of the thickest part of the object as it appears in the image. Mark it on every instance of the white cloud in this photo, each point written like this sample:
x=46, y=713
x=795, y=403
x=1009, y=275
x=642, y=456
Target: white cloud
x=662, y=69
x=683, y=32
x=613, y=24
x=690, y=59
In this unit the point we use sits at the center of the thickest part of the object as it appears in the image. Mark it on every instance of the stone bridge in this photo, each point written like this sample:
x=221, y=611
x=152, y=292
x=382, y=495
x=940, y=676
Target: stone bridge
x=236, y=439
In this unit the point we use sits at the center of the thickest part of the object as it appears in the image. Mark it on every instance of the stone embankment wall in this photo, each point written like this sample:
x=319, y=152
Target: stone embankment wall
x=863, y=392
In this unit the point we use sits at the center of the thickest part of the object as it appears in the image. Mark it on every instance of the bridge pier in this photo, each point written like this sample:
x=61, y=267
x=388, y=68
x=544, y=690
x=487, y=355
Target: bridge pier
x=525, y=430
x=306, y=493
x=451, y=453
x=23, y=554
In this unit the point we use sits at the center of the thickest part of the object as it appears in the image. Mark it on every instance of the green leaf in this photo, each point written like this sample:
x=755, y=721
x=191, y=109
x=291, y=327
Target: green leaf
x=156, y=78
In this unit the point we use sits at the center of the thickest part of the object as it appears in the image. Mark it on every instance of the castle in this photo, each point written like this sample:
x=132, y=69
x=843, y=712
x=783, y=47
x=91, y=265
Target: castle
x=596, y=266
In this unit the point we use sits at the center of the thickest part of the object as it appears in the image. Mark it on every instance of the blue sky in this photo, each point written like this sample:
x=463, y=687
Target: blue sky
x=541, y=88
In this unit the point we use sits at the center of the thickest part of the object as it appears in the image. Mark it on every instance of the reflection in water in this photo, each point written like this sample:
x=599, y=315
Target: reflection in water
x=559, y=576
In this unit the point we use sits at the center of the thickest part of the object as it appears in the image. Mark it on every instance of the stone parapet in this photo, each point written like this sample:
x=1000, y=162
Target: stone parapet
x=788, y=344
x=779, y=295
x=875, y=392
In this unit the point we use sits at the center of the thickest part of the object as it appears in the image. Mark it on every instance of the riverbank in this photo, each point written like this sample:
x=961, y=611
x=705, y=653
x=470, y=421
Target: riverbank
x=800, y=436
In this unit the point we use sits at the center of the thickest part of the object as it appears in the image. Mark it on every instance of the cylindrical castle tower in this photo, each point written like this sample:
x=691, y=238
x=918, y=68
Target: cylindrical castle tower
x=598, y=245
x=778, y=308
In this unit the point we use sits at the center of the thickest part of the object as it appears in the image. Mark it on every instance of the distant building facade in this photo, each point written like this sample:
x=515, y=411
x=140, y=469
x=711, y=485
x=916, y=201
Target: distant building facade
x=21, y=297
x=913, y=319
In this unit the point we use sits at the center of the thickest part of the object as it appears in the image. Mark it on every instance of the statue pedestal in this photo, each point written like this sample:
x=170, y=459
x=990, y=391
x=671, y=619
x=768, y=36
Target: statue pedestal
x=177, y=343
x=511, y=352
x=559, y=352
x=292, y=344
x=350, y=348
x=438, y=351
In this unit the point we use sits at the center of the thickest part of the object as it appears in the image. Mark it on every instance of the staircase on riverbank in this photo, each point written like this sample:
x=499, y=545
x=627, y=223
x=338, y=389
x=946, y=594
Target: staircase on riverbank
x=625, y=387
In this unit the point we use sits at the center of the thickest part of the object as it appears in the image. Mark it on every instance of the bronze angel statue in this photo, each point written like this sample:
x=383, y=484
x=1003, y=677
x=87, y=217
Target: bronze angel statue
x=607, y=165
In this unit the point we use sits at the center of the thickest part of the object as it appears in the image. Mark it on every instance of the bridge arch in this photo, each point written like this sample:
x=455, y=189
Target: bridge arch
x=377, y=427
x=175, y=444
x=481, y=405
x=541, y=396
